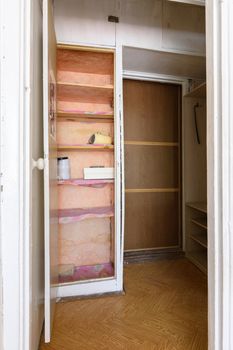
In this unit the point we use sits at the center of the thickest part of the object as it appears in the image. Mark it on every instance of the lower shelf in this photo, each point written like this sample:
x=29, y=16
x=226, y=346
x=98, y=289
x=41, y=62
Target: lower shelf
x=82, y=273
x=199, y=259
x=200, y=238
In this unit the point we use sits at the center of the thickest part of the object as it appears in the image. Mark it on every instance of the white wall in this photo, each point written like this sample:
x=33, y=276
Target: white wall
x=150, y=24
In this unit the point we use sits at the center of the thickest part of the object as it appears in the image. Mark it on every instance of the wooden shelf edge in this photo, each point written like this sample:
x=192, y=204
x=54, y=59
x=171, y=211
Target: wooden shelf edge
x=199, y=206
x=198, y=239
x=195, y=259
x=150, y=143
x=61, y=148
x=151, y=190
x=77, y=85
x=199, y=223
x=198, y=92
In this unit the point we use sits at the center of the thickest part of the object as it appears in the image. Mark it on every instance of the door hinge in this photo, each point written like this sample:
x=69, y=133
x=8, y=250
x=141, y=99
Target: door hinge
x=113, y=19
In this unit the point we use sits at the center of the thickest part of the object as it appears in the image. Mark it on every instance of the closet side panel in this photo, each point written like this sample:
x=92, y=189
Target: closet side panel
x=152, y=165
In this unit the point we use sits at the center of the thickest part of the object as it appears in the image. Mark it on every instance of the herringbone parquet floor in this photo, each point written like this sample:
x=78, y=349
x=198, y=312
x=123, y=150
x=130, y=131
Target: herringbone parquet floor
x=165, y=308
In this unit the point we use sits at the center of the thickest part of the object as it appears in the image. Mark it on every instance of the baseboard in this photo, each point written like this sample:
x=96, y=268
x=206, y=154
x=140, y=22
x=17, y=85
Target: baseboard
x=138, y=256
x=93, y=296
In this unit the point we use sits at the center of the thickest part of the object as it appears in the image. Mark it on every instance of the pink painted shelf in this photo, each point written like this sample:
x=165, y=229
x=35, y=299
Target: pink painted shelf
x=67, y=216
x=86, y=183
x=85, y=147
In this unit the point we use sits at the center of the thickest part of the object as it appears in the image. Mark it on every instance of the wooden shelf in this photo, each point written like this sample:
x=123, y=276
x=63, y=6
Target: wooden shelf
x=200, y=206
x=198, y=92
x=190, y=2
x=85, y=93
x=151, y=143
x=199, y=259
x=67, y=216
x=200, y=239
x=201, y=222
x=62, y=148
x=86, y=117
x=83, y=182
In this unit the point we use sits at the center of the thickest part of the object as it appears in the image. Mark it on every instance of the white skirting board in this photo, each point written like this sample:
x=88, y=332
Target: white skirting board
x=109, y=285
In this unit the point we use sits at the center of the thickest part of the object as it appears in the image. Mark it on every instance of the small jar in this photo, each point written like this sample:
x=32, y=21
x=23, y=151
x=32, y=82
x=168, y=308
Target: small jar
x=63, y=168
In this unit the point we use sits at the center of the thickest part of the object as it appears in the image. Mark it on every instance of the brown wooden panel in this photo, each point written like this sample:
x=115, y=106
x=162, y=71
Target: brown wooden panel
x=150, y=111
x=152, y=220
x=151, y=166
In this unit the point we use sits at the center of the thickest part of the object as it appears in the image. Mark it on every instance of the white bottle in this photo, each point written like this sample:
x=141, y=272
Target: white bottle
x=63, y=168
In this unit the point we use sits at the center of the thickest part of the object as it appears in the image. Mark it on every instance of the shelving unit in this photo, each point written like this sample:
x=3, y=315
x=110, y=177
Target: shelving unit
x=196, y=227
x=85, y=106
x=198, y=92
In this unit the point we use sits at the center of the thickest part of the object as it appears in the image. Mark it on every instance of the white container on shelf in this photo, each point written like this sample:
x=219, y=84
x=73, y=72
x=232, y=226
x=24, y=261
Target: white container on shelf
x=98, y=173
x=63, y=166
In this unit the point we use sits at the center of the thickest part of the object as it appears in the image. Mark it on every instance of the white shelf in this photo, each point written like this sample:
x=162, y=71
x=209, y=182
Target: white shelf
x=190, y=2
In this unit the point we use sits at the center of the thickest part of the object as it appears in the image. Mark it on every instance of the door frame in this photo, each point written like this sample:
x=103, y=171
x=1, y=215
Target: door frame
x=16, y=301
x=183, y=83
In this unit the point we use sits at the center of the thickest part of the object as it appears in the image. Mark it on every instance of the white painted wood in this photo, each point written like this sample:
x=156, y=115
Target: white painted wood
x=183, y=27
x=119, y=180
x=141, y=24
x=90, y=288
x=163, y=62
x=190, y=2
x=15, y=170
x=50, y=170
x=85, y=22
x=36, y=210
x=220, y=172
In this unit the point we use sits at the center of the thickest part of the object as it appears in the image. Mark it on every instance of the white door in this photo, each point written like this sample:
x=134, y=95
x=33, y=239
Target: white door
x=50, y=163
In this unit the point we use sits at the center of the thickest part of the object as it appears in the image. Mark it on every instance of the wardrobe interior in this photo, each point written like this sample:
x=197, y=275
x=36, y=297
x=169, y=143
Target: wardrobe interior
x=163, y=99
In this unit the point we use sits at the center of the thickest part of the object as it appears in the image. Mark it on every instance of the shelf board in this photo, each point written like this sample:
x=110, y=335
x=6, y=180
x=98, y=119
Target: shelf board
x=83, y=182
x=67, y=216
x=199, y=259
x=198, y=92
x=200, y=239
x=85, y=93
x=201, y=222
x=62, y=148
x=190, y=2
x=200, y=206
x=151, y=143
x=86, y=117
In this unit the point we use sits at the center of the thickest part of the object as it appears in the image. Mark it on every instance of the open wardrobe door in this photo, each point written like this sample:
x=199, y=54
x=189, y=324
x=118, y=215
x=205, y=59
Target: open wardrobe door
x=50, y=166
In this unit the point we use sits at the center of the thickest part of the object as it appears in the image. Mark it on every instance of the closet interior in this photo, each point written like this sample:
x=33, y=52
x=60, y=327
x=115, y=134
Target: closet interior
x=85, y=141
x=131, y=137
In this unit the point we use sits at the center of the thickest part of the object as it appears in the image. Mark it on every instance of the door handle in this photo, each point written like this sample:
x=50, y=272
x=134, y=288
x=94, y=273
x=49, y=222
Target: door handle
x=39, y=164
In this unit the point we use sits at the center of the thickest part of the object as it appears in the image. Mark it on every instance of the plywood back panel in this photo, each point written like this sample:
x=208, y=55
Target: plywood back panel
x=150, y=111
x=151, y=166
x=152, y=220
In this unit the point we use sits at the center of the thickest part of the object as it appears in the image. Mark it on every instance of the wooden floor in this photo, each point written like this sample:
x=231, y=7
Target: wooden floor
x=165, y=307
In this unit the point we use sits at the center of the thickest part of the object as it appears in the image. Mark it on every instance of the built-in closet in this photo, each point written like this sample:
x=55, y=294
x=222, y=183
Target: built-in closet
x=125, y=139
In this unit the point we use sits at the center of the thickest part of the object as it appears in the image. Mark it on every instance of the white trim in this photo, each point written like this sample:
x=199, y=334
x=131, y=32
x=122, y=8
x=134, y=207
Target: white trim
x=15, y=116
x=89, y=288
x=220, y=172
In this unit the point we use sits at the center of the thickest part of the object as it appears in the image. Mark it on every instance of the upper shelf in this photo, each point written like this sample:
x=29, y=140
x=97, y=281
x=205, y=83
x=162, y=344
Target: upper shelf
x=86, y=116
x=200, y=206
x=190, y=2
x=198, y=92
x=86, y=147
x=85, y=93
